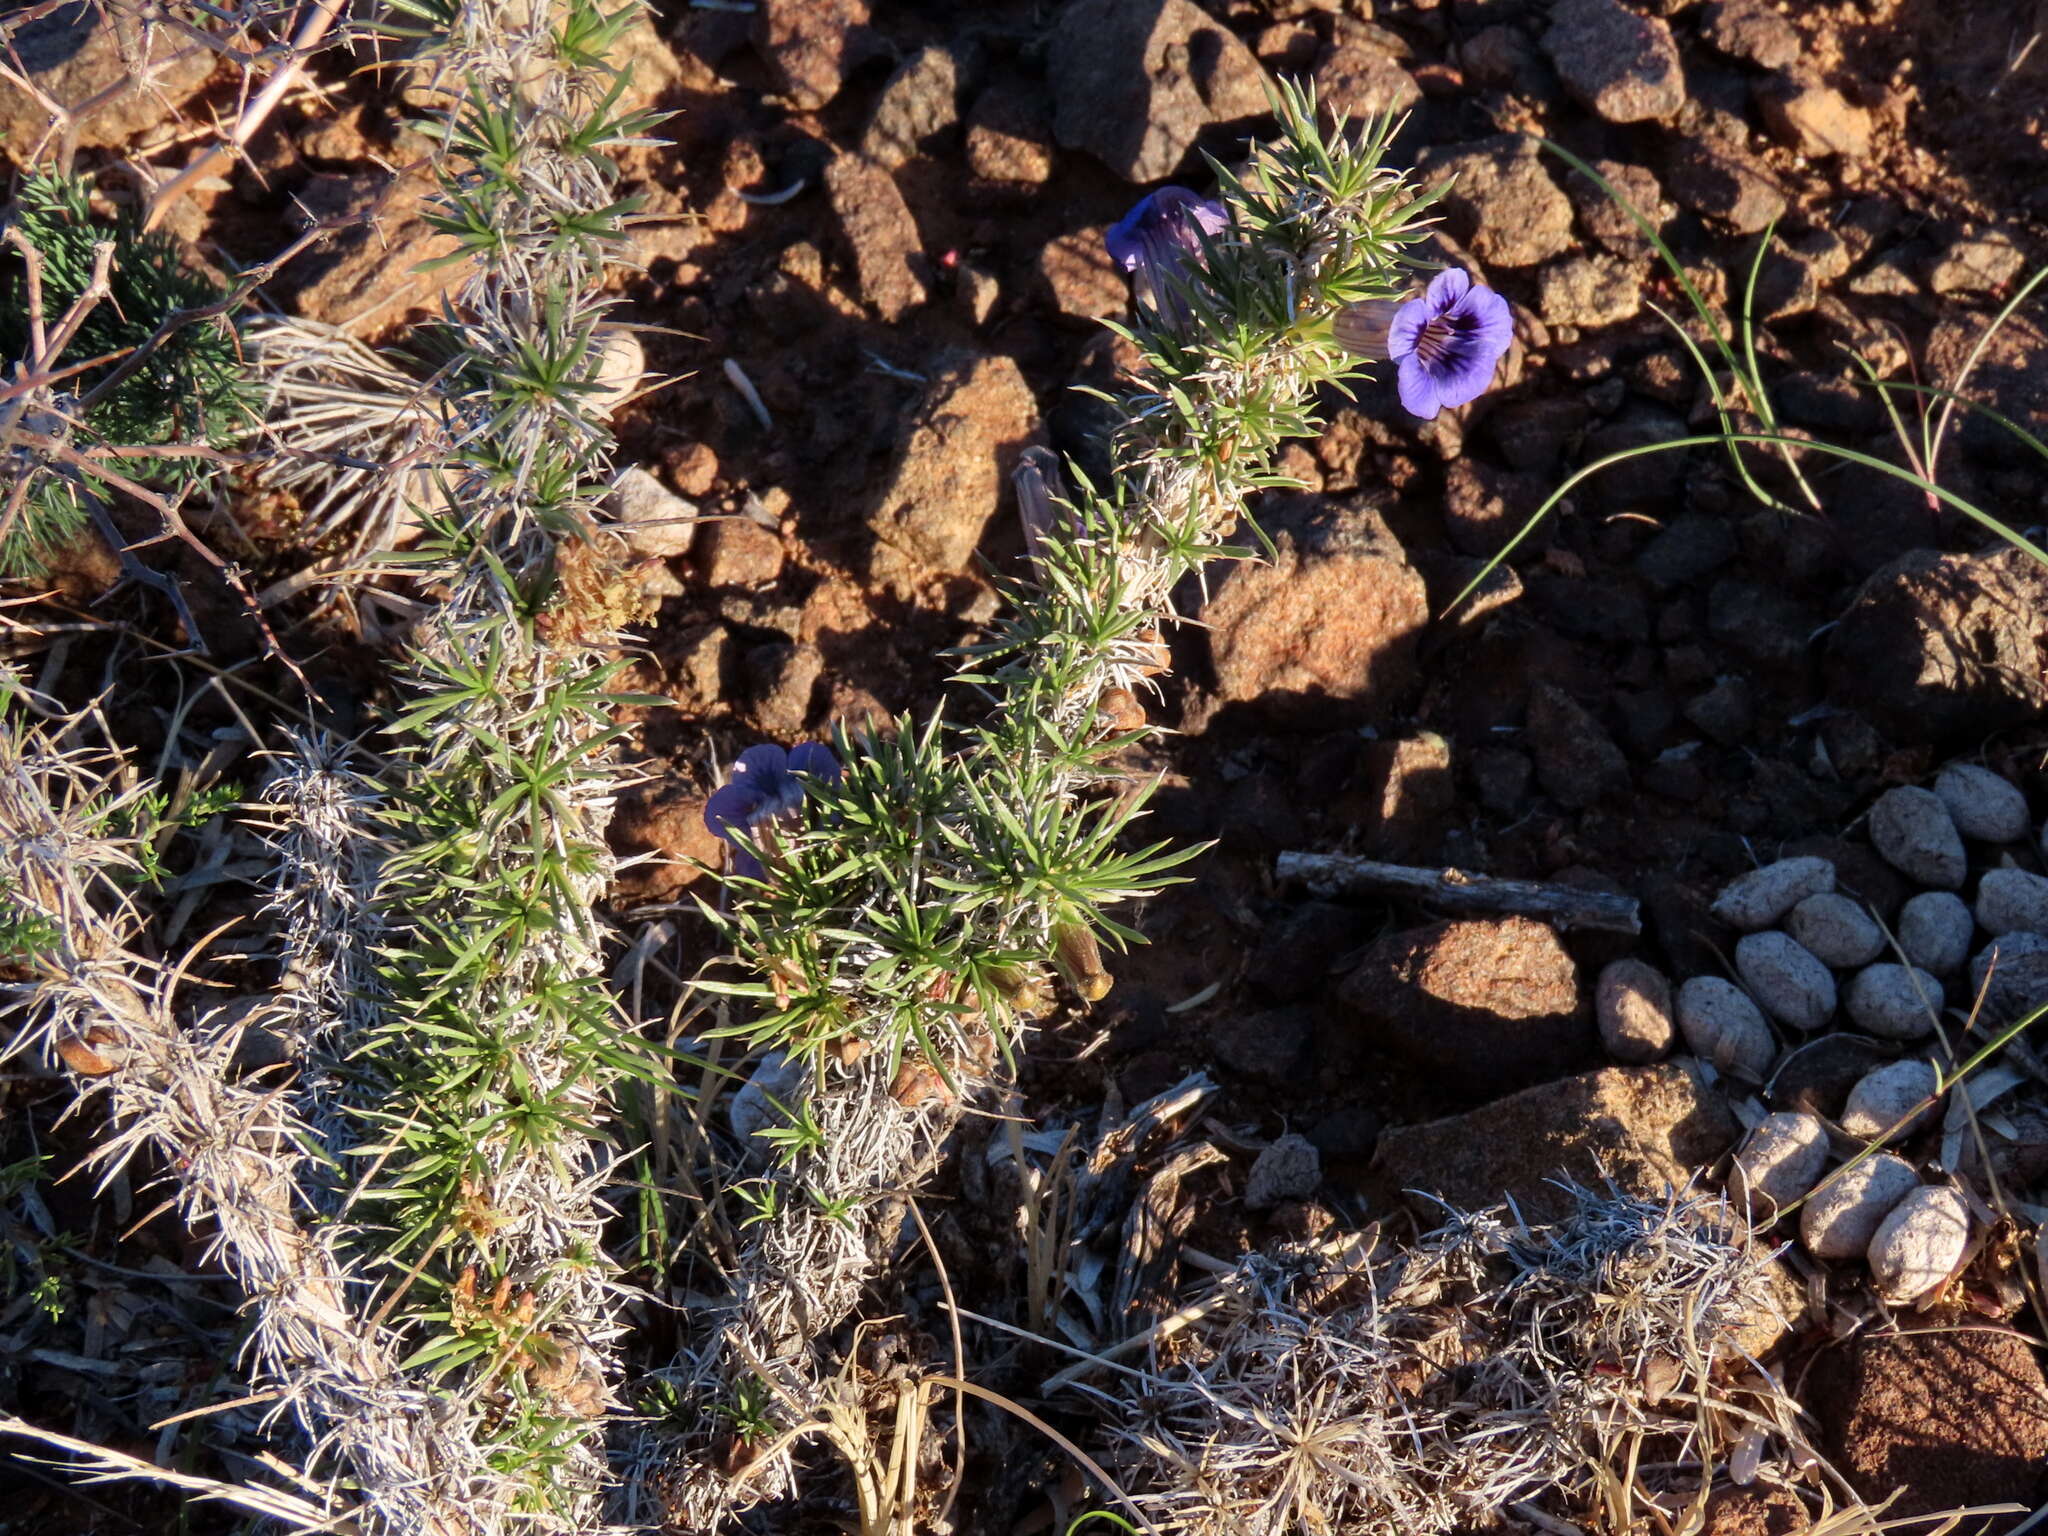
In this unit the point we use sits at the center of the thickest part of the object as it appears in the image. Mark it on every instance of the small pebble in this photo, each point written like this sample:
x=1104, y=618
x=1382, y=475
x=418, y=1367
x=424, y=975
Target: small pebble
x=1722, y=1025
x=1632, y=1001
x=1920, y=1244
x=1984, y=805
x=1935, y=929
x=655, y=522
x=1289, y=1169
x=1915, y=834
x=1887, y=1096
x=1782, y=1160
x=1836, y=930
x=2012, y=901
x=1846, y=1211
x=1793, y=986
x=2004, y=950
x=1759, y=898
x=1892, y=1001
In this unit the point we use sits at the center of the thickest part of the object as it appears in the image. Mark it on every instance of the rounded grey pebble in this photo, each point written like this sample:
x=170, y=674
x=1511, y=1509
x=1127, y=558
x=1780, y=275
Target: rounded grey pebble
x=1722, y=1025
x=2012, y=901
x=1935, y=929
x=1882, y=1000
x=1779, y=1162
x=1632, y=1001
x=1835, y=930
x=1887, y=1096
x=1793, y=986
x=1983, y=805
x=1915, y=834
x=2005, y=949
x=1845, y=1212
x=1920, y=1243
x=1759, y=898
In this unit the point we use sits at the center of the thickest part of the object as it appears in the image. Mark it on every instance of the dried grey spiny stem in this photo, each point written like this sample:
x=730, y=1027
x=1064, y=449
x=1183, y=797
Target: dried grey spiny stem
x=1428, y=1388
x=798, y=1274
x=233, y=1145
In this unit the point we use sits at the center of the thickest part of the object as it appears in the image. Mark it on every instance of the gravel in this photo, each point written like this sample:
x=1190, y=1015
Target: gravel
x=1759, y=898
x=1723, y=1026
x=1632, y=1001
x=1892, y=1001
x=1845, y=1213
x=1915, y=834
x=1920, y=1244
x=1793, y=987
x=1935, y=929
x=1780, y=1162
x=1983, y=805
x=1836, y=930
x=1887, y=1096
x=2012, y=901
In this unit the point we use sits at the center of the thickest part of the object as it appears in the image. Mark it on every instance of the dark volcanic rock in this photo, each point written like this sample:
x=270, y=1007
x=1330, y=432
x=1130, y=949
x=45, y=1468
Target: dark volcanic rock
x=1623, y=66
x=1502, y=203
x=1491, y=1005
x=1577, y=762
x=1134, y=83
x=1945, y=646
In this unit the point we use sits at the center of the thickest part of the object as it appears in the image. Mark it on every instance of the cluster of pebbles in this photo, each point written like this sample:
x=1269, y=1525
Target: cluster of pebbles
x=1948, y=974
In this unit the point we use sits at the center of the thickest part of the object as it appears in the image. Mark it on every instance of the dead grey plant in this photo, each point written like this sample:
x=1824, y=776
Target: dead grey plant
x=1424, y=1387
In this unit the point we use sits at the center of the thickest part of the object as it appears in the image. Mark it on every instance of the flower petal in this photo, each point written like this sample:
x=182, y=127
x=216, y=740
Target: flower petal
x=1447, y=288
x=815, y=759
x=1405, y=329
x=737, y=805
x=764, y=761
x=1418, y=387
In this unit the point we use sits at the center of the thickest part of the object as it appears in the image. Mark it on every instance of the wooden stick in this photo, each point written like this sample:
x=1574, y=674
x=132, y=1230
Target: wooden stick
x=1453, y=890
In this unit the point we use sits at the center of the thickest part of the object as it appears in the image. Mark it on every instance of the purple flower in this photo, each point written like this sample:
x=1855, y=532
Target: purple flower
x=1448, y=342
x=1157, y=239
x=764, y=788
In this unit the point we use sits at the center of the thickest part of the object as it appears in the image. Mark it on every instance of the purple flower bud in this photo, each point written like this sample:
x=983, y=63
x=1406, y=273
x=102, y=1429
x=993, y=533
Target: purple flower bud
x=1448, y=342
x=765, y=788
x=1158, y=239
x=1362, y=329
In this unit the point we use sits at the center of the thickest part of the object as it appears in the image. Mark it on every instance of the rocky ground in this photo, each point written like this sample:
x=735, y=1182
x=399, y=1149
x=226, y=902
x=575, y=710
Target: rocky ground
x=872, y=266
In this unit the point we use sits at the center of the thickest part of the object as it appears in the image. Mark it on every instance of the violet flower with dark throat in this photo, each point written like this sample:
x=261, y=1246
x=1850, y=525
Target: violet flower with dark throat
x=1158, y=240
x=1446, y=344
x=765, y=789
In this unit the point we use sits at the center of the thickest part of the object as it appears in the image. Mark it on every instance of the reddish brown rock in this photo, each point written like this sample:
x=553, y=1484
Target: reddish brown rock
x=1134, y=84
x=666, y=820
x=1009, y=135
x=878, y=225
x=1307, y=632
x=954, y=461
x=1492, y=1005
x=1942, y=1418
x=739, y=553
x=1364, y=83
x=810, y=45
x=1649, y=1128
x=1577, y=762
